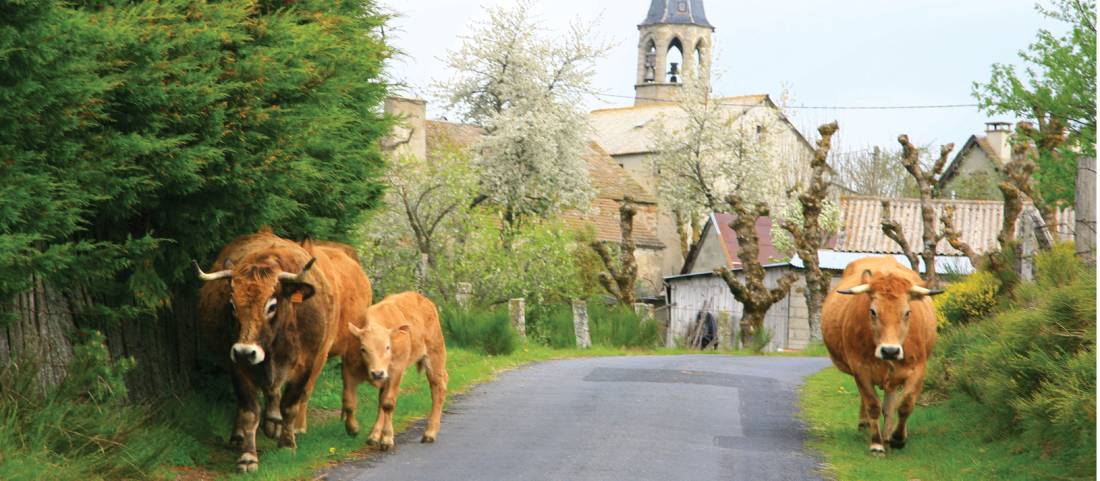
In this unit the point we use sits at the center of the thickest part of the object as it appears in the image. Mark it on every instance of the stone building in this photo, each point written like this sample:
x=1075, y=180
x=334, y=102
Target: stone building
x=675, y=47
x=974, y=171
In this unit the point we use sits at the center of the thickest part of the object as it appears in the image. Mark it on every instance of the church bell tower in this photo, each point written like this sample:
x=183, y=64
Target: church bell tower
x=674, y=47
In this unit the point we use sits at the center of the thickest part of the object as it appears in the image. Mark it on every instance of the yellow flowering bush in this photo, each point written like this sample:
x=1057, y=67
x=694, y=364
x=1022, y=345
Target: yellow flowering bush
x=968, y=300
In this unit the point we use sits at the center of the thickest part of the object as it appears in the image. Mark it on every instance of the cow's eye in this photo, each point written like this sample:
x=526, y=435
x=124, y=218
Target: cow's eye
x=269, y=310
x=387, y=348
x=363, y=349
x=906, y=315
x=232, y=306
x=874, y=313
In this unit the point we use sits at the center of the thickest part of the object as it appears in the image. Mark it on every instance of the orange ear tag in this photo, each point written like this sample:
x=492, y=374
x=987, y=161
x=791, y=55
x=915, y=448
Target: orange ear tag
x=296, y=298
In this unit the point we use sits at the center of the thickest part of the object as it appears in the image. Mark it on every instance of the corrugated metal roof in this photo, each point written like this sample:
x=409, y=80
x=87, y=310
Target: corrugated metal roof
x=978, y=220
x=623, y=130
x=836, y=261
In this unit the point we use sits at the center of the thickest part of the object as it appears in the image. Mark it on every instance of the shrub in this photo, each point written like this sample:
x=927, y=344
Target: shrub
x=1033, y=366
x=82, y=429
x=552, y=325
x=971, y=299
x=488, y=331
x=617, y=325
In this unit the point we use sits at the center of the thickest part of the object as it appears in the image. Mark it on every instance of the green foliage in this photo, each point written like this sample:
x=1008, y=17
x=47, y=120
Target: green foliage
x=487, y=331
x=1033, y=366
x=82, y=429
x=616, y=325
x=792, y=211
x=970, y=299
x=1059, y=86
x=609, y=325
x=756, y=343
x=138, y=136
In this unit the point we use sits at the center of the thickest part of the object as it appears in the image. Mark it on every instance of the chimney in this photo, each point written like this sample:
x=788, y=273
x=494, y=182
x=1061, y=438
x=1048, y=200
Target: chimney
x=998, y=135
x=409, y=136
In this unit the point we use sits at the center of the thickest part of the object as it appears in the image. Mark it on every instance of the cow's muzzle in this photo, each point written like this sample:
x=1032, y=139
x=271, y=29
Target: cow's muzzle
x=378, y=375
x=889, y=352
x=250, y=353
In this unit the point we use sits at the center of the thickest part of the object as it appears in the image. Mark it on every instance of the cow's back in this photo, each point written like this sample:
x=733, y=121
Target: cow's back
x=353, y=293
x=426, y=333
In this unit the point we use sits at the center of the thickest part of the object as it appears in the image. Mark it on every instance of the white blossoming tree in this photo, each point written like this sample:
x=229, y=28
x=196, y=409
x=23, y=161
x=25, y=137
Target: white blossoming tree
x=712, y=156
x=525, y=89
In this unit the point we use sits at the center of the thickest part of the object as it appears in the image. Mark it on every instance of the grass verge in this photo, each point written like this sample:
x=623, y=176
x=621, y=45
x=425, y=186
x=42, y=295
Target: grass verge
x=951, y=440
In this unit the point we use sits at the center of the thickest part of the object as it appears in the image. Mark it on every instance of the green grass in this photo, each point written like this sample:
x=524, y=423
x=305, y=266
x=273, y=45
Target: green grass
x=951, y=440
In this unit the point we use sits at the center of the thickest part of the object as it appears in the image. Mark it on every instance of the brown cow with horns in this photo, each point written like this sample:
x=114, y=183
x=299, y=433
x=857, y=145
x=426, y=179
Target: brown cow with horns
x=275, y=310
x=879, y=326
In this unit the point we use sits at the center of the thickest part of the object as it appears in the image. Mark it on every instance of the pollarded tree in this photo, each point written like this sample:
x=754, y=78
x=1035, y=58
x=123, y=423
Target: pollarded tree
x=619, y=277
x=751, y=291
x=816, y=218
x=525, y=90
x=925, y=178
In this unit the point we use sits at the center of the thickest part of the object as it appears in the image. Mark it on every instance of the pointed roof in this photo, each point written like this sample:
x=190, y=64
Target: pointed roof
x=688, y=12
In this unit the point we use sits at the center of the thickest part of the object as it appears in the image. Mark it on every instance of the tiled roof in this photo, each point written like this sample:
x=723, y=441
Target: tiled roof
x=623, y=130
x=462, y=136
x=978, y=220
x=679, y=11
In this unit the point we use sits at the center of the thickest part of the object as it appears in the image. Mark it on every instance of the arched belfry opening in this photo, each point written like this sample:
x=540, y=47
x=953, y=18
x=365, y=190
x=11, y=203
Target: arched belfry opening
x=650, y=73
x=674, y=48
x=675, y=61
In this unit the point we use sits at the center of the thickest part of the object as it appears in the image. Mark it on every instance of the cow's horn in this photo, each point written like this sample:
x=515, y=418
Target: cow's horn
x=300, y=276
x=924, y=291
x=860, y=289
x=213, y=276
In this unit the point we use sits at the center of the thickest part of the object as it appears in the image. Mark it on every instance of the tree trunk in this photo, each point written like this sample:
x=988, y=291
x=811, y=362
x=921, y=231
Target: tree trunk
x=1085, y=210
x=39, y=333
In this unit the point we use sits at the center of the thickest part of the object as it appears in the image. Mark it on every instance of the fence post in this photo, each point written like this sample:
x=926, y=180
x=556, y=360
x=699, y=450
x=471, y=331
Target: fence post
x=516, y=313
x=580, y=324
x=463, y=292
x=725, y=330
x=1084, y=232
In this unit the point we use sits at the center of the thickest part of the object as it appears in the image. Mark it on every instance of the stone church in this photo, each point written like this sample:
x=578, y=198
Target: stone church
x=674, y=38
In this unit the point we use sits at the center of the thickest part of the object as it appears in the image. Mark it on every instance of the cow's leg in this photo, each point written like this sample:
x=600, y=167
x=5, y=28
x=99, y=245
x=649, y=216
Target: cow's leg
x=350, y=400
x=241, y=387
x=389, y=403
x=907, y=401
x=291, y=404
x=248, y=420
x=273, y=417
x=375, y=436
x=864, y=418
x=437, y=380
x=303, y=406
x=894, y=396
x=874, y=412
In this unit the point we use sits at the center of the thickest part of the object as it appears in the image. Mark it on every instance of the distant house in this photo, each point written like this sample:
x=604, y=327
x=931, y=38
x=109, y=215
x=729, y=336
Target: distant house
x=697, y=288
x=974, y=172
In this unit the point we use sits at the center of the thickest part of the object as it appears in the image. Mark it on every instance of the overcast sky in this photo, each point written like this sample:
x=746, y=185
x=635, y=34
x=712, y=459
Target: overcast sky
x=828, y=53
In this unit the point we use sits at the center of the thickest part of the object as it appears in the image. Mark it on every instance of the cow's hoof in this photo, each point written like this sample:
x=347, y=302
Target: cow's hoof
x=877, y=450
x=897, y=442
x=863, y=427
x=352, y=429
x=248, y=463
x=287, y=442
x=273, y=428
x=374, y=440
x=386, y=444
x=236, y=440
x=428, y=438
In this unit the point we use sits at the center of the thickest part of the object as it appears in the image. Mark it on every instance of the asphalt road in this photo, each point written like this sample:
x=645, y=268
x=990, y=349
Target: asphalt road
x=623, y=418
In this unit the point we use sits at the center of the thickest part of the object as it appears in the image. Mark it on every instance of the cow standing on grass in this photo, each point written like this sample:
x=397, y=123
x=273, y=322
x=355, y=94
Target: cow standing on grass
x=400, y=331
x=275, y=310
x=879, y=326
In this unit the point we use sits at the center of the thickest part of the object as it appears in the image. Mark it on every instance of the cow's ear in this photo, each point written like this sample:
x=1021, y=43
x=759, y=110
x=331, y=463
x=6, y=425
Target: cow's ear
x=866, y=277
x=297, y=291
x=399, y=329
x=355, y=329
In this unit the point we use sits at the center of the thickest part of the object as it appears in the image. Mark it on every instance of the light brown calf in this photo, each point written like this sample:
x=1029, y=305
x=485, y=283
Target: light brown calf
x=879, y=326
x=400, y=331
